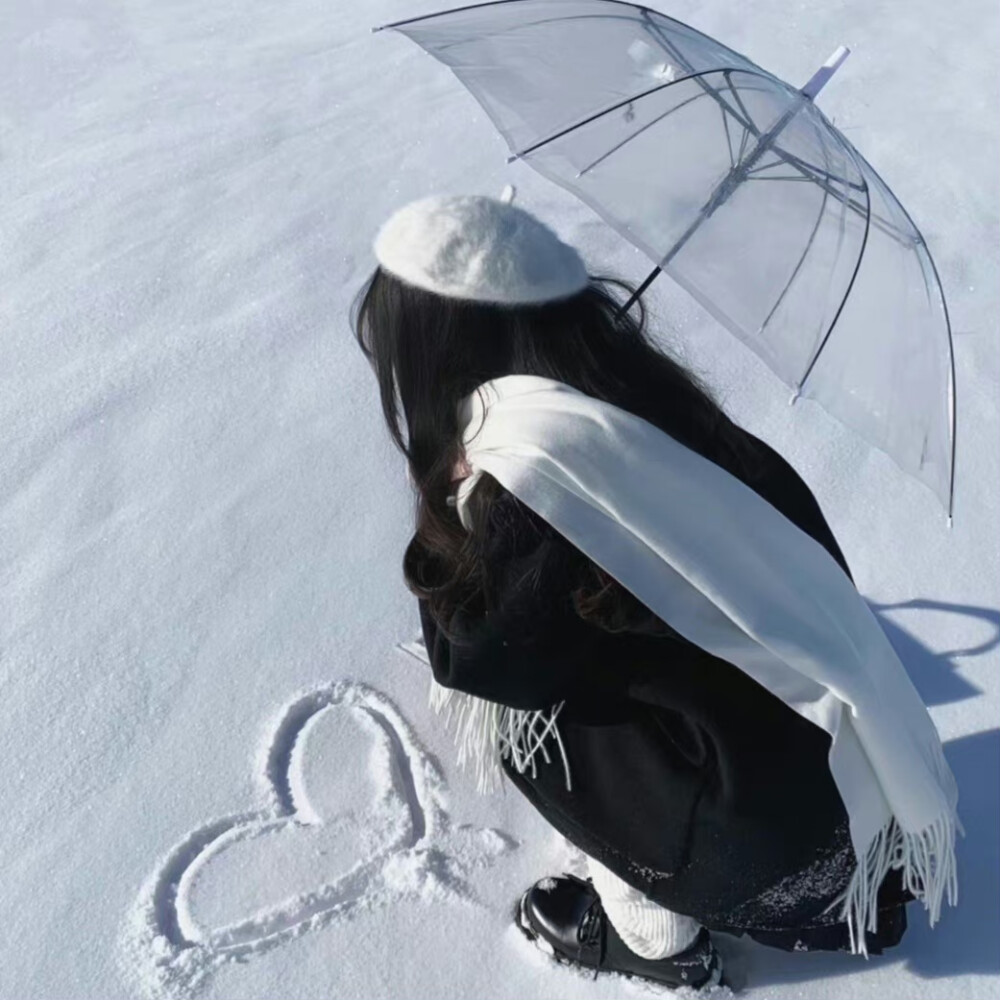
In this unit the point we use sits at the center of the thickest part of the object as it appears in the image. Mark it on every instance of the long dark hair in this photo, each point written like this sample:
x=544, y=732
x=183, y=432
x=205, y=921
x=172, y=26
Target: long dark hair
x=428, y=352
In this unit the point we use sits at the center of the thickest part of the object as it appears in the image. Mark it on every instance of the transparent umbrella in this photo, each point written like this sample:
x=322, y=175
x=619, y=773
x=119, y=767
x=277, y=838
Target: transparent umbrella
x=735, y=184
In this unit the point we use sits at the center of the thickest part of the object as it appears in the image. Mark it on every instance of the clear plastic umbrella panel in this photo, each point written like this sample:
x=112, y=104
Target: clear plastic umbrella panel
x=736, y=185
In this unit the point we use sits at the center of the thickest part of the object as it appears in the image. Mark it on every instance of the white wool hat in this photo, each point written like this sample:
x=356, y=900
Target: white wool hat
x=479, y=248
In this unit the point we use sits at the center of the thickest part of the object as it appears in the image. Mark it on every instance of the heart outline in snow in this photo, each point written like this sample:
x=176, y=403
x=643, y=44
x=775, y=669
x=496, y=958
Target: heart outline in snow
x=161, y=924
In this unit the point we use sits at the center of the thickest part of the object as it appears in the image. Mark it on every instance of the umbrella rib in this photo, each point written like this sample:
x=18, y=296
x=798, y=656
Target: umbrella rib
x=728, y=73
x=743, y=146
x=629, y=138
x=729, y=141
x=841, y=230
x=840, y=308
x=811, y=169
x=947, y=322
x=766, y=166
x=604, y=111
x=805, y=253
x=798, y=267
x=822, y=178
x=808, y=247
x=785, y=178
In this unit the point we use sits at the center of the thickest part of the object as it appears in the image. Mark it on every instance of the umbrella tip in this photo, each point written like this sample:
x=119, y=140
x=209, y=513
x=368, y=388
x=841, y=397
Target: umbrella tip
x=838, y=56
x=820, y=77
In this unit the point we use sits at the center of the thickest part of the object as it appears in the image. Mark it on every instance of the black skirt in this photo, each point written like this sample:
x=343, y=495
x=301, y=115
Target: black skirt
x=727, y=881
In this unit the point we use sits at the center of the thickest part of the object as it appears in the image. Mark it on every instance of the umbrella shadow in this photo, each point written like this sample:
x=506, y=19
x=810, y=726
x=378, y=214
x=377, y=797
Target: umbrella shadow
x=934, y=674
x=964, y=940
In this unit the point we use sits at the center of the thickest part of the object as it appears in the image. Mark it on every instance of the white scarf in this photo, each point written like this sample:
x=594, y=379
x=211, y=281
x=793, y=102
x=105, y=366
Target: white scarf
x=733, y=575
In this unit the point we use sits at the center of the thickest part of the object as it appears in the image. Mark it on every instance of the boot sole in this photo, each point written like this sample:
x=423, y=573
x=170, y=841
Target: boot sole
x=521, y=919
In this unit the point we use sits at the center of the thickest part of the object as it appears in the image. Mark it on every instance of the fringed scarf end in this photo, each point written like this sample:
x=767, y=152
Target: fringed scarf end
x=486, y=733
x=927, y=858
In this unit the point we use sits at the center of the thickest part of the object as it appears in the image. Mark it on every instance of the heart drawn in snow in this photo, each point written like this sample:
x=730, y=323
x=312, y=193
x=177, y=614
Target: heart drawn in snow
x=358, y=821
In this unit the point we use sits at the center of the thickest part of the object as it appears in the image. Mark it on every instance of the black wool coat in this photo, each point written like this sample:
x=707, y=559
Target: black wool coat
x=690, y=781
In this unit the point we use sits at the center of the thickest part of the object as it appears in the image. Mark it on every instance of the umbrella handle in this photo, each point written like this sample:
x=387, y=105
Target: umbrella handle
x=819, y=78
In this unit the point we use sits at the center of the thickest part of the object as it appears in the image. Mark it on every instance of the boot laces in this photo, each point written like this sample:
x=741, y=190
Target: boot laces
x=592, y=928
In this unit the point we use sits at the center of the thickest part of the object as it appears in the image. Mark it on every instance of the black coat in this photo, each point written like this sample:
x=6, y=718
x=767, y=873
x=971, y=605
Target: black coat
x=690, y=780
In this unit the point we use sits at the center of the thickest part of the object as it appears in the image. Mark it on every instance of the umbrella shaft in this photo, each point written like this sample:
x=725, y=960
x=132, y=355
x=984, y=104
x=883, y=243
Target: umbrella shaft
x=736, y=176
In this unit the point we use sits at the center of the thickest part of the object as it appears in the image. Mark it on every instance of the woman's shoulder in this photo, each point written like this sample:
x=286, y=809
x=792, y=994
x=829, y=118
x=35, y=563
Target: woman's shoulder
x=537, y=562
x=780, y=483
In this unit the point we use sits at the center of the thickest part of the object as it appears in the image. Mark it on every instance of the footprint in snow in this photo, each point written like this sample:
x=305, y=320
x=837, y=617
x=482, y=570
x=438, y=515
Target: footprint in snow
x=346, y=832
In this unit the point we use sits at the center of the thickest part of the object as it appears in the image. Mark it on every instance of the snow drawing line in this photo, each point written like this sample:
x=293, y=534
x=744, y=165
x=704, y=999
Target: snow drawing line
x=198, y=910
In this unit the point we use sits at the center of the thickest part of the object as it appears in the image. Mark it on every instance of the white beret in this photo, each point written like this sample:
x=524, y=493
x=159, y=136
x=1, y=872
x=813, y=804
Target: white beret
x=478, y=248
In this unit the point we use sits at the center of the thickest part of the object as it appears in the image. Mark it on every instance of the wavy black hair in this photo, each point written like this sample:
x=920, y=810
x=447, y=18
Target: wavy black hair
x=428, y=352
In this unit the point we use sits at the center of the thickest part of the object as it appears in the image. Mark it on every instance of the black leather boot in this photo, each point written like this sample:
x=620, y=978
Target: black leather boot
x=564, y=917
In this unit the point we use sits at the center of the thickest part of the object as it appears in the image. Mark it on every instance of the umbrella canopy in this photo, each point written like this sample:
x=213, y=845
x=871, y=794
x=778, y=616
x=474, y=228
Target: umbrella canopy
x=736, y=185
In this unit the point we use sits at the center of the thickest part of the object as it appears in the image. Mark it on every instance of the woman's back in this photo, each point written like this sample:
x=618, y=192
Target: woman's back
x=516, y=532
x=687, y=769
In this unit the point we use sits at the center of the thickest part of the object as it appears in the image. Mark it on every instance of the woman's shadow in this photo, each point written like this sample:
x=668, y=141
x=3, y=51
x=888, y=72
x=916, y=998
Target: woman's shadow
x=965, y=939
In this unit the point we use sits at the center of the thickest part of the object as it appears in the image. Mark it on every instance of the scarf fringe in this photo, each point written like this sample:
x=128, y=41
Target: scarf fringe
x=486, y=733
x=927, y=858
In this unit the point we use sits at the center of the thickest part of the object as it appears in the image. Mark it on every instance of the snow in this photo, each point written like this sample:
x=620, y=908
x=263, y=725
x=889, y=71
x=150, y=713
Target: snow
x=207, y=714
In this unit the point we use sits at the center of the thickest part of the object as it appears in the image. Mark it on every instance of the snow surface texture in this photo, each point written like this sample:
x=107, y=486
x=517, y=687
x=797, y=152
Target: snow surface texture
x=223, y=778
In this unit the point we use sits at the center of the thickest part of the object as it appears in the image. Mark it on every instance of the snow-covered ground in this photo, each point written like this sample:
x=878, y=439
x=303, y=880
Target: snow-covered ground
x=206, y=714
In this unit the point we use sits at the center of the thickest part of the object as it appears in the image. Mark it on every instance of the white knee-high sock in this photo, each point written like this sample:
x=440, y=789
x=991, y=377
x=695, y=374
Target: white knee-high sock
x=650, y=930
